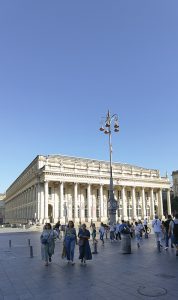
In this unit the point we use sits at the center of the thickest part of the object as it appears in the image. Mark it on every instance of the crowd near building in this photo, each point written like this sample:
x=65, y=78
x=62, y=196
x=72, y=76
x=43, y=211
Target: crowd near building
x=57, y=187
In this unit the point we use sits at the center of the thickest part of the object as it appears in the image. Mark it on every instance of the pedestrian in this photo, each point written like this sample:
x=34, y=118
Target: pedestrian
x=57, y=227
x=70, y=239
x=123, y=228
x=101, y=232
x=141, y=228
x=112, y=232
x=118, y=235
x=106, y=230
x=138, y=229
x=84, y=246
x=47, y=239
x=173, y=231
x=166, y=229
x=157, y=227
x=145, y=224
x=93, y=234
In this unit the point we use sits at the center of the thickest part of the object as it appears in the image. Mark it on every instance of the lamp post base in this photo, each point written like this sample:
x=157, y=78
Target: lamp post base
x=112, y=218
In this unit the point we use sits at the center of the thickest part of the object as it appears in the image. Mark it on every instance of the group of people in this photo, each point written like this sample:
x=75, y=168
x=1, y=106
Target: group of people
x=116, y=230
x=164, y=230
x=49, y=235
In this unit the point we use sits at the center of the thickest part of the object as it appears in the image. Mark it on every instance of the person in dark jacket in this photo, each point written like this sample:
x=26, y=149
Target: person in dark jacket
x=166, y=229
x=84, y=246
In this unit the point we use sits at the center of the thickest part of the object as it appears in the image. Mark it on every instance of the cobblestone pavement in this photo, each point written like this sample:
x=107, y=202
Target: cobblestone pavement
x=144, y=274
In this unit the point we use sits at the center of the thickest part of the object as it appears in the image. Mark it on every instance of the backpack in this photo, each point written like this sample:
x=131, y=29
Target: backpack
x=175, y=230
x=125, y=230
x=44, y=239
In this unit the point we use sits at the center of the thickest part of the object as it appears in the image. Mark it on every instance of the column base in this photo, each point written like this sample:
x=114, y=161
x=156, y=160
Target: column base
x=63, y=220
x=46, y=220
x=56, y=220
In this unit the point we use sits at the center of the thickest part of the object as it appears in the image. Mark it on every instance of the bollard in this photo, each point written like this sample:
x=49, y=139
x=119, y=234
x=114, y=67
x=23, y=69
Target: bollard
x=28, y=242
x=31, y=251
x=126, y=244
x=9, y=243
x=95, y=247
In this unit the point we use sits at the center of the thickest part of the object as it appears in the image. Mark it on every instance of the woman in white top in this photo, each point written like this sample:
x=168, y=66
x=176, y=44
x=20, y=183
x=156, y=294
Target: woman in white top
x=157, y=227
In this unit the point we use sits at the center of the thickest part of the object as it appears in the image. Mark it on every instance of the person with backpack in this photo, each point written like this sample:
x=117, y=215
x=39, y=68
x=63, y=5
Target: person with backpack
x=166, y=230
x=173, y=230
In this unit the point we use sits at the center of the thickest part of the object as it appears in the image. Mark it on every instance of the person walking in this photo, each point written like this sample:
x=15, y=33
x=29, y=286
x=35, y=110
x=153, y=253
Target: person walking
x=157, y=227
x=112, y=232
x=93, y=234
x=166, y=230
x=57, y=227
x=138, y=229
x=145, y=224
x=84, y=246
x=47, y=239
x=118, y=236
x=70, y=239
x=101, y=232
x=173, y=231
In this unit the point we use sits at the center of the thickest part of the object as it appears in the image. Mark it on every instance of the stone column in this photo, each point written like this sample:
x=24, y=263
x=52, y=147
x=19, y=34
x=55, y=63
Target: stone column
x=152, y=215
x=101, y=204
x=42, y=217
x=38, y=201
x=94, y=196
x=168, y=202
x=62, y=217
x=69, y=201
x=160, y=204
x=46, y=219
x=82, y=206
x=56, y=204
x=143, y=204
x=89, y=202
x=76, y=202
x=134, y=213
x=124, y=204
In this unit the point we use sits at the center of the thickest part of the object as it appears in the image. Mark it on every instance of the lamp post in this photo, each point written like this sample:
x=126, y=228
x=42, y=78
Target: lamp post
x=106, y=127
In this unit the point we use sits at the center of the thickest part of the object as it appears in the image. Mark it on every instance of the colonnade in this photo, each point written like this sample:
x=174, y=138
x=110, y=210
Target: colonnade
x=53, y=201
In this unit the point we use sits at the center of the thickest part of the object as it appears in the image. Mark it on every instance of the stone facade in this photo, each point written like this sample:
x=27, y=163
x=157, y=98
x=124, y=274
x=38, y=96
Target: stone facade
x=2, y=208
x=175, y=183
x=57, y=187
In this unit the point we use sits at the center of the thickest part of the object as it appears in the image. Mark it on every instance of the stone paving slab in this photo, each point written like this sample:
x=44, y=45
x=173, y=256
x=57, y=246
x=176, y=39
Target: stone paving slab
x=144, y=274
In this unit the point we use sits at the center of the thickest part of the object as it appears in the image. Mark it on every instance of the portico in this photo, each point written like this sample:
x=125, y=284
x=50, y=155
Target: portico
x=62, y=188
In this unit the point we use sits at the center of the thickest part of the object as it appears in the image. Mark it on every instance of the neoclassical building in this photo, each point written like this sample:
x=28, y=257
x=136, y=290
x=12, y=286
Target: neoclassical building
x=175, y=183
x=57, y=187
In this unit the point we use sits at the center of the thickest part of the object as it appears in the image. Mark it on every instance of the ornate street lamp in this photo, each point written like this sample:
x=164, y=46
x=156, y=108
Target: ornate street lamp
x=106, y=127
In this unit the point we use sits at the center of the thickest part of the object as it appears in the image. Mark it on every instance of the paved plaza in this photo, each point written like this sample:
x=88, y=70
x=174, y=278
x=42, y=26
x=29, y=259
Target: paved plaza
x=144, y=274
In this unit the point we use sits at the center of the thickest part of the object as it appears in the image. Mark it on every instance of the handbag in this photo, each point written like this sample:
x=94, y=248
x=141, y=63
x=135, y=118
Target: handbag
x=44, y=240
x=81, y=242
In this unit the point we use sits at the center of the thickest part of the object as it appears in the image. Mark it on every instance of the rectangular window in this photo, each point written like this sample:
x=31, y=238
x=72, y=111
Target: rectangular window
x=50, y=190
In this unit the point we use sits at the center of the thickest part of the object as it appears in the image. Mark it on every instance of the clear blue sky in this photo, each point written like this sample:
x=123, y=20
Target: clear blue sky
x=64, y=63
